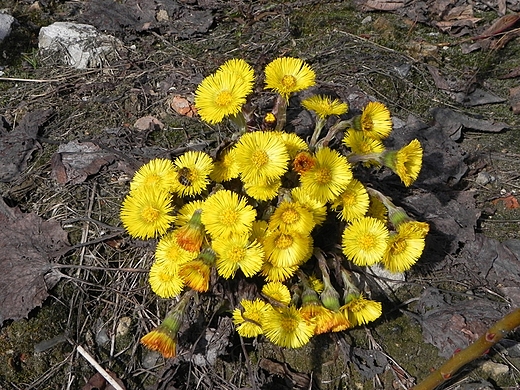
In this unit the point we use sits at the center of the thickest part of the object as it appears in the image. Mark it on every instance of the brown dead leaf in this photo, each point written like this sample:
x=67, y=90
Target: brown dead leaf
x=501, y=25
x=148, y=123
x=182, y=106
x=383, y=5
x=514, y=99
x=27, y=245
x=98, y=382
x=509, y=201
x=17, y=146
x=75, y=161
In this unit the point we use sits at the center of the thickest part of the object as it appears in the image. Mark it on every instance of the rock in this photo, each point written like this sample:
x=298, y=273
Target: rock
x=80, y=45
x=6, y=25
x=494, y=369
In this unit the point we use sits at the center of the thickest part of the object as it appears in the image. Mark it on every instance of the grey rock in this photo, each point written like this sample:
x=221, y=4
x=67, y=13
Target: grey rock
x=6, y=25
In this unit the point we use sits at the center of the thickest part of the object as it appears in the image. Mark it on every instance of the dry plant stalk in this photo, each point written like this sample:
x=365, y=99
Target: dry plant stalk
x=492, y=336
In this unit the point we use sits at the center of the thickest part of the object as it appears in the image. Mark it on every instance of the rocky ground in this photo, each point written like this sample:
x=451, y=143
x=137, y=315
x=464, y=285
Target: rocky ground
x=72, y=135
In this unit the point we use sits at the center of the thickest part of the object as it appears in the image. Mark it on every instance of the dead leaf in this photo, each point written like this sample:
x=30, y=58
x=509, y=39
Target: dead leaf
x=383, y=5
x=97, y=382
x=512, y=74
x=182, y=106
x=478, y=97
x=27, y=245
x=75, y=161
x=148, y=123
x=514, y=99
x=438, y=79
x=499, y=26
x=17, y=146
x=510, y=202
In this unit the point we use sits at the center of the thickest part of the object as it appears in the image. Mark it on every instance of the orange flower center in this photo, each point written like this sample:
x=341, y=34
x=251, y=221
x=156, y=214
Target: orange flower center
x=224, y=98
x=288, y=81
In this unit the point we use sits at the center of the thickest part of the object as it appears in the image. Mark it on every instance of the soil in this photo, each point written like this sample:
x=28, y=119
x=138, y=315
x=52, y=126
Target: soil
x=467, y=189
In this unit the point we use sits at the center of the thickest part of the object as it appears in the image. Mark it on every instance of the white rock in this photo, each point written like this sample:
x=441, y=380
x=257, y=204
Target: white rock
x=495, y=369
x=81, y=45
x=6, y=25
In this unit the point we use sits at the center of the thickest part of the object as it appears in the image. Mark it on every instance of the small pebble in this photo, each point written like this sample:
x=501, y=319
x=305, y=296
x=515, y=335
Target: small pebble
x=495, y=369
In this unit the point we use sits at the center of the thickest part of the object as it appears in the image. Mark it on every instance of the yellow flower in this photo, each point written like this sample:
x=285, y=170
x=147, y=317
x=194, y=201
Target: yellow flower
x=377, y=209
x=361, y=311
x=328, y=177
x=324, y=106
x=226, y=167
x=406, y=162
x=185, y=213
x=169, y=251
x=286, y=75
x=165, y=280
x=365, y=240
x=319, y=315
x=237, y=252
x=277, y=291
x=273, y=273
x=220, y=95
x=196, y=275
x=353, y=201
x=240, y=70
x=287, y=249
x=361, y=145
x=248, y=320
x=259, y=230
x=192, y=172
x=293, y=143
x=292, y=216
x=404, y=247
x=263, y=190
x=317, y=208
x=286, y=327
x=261, y=156
x=375, y=121
x=225, y=213
x=146, y=212
x=158, y=173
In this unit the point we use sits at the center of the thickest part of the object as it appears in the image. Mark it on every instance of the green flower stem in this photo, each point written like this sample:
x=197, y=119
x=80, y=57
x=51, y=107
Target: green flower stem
x=472, y=352
x=396, y=214
x=337, y=127
x=239, y=121
x=329, y=296
x=357, y=158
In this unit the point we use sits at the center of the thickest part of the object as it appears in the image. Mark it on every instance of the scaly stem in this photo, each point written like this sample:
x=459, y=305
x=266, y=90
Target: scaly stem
x=472, y=352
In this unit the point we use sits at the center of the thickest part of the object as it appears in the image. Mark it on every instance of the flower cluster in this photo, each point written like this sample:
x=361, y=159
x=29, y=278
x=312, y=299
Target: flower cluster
x=257, y=207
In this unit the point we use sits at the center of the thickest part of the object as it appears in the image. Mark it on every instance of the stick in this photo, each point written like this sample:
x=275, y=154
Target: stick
x=99, y=369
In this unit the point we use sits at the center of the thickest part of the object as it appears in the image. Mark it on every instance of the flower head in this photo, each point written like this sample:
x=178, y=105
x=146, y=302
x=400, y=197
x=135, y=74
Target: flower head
x=360, y=310
x=158, y=173
x=169, y=251
x=190, y=236
x=365, y=240
x=362, y=145
x=303, y=161
x=146, y=212
x=317, y=208
x=248, y=320
x=277, y=291
x=237, y=252
x=324, y=106
x=377, y=209
x=274, y=273
x=196, y=274
x=165, y=280
x=220, y=95
x=404, y=247
x=225, y=213
x=294, y=143
x=185, y=213
x=328, y=177
x=286, y=75
x=287, y=249
x=261, y=156
x=192, y=172
x=375, y=121
x=286, y=327
x=226, y=167
x=240, y=70
x=292, y=216
x=353, y=201
x=406, y=162
x=263, y=190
